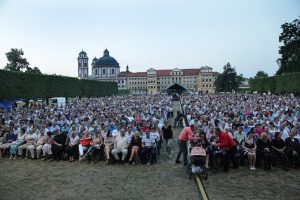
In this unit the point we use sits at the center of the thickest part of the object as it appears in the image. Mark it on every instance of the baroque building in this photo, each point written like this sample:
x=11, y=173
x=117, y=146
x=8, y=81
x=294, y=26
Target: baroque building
x=153, y=81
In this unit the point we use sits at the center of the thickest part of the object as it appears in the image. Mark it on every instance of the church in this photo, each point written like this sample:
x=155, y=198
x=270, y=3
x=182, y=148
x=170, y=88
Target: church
x=106, y=68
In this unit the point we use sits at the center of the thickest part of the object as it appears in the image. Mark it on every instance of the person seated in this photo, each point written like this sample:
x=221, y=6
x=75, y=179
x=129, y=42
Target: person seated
x=293, y=148
x=47, y=150
x=19, y=141
x=37, y=145
x=96, y=148
x=249, y=147
x=72, y=145
x=263, y=151
x=58, y=146
x=108, y=145
x=30, y=139
x=84, y=144
x=239, y=136
x=148, y=144
x=135, y=145
x=121, y=146
x=155, y=133
x=8, y=138
x=278, y=150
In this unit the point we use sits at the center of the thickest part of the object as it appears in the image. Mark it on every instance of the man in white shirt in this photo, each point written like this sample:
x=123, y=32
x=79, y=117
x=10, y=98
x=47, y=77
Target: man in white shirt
x=121, y=146
x=129, y=134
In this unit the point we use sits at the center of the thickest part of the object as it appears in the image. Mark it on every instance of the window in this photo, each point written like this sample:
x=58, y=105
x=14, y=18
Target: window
x=112, y=71
x=96, y=71
x=79, y=64
x=103, y=71
x=85, y=64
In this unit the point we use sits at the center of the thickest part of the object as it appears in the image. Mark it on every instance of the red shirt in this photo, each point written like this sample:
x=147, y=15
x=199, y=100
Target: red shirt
x=225, y=141
x=85, y=141
x=186, y=134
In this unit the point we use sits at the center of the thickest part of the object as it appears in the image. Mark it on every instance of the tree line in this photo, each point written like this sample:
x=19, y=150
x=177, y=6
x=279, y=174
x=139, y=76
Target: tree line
x=289, y=61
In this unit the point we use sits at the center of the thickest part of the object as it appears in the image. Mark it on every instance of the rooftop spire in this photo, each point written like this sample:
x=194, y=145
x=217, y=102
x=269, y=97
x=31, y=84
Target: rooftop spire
x=106, y=52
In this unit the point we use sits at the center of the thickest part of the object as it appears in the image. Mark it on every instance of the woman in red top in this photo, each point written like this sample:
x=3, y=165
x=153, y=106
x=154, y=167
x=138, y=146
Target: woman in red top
x=84, y=144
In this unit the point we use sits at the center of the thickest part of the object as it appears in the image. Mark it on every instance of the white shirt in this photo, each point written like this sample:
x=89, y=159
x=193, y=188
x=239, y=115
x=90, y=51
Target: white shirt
x=115, y=133
x=285, y=133
x=73, y=141
x=129, y=136
x=122, y=142
x=239, y=137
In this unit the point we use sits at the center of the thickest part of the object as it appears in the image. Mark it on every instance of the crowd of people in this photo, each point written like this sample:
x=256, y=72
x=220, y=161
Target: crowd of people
x=114, y=129
x=240, y=127
x=252, y=128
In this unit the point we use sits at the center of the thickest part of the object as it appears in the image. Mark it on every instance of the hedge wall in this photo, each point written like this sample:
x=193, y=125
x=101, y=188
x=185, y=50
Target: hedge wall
x=123, y=92
x=15, y=85
x=278, y=84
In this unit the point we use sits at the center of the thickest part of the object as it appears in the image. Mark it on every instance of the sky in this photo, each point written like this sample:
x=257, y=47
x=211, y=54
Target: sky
x=143, y=34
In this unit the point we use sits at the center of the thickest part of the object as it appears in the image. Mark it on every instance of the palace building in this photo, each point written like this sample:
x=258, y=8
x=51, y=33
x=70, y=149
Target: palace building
x=153, y=81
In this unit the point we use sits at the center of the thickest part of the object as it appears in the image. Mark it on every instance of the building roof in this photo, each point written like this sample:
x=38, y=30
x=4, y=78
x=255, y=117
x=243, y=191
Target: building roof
x=163, y=72
x=106, y=60
x=189, y=72
x=131, y=74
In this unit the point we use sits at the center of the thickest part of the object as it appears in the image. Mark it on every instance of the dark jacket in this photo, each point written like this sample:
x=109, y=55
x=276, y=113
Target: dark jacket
x=292, y=146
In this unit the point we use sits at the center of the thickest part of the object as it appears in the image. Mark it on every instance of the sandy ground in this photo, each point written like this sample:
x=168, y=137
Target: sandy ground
x=25, y=179
x=246, y=184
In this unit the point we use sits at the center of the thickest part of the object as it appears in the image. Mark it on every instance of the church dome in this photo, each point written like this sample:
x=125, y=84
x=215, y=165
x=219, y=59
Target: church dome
x=106, y=60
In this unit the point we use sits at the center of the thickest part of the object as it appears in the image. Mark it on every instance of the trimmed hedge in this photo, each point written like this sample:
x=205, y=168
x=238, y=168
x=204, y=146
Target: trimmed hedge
x=15, y=85
x=123, y=92
x=277, y=84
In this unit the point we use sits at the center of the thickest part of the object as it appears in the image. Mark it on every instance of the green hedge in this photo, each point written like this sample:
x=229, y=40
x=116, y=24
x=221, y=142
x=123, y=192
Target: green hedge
x=123, y=92
x=278, y=84
x=14, y=85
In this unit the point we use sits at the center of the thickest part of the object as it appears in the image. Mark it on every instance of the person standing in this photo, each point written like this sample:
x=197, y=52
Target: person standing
x=168, y=137
x=185, y=135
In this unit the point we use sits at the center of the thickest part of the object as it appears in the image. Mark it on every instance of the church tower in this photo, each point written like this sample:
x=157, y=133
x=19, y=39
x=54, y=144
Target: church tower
x=83, y=65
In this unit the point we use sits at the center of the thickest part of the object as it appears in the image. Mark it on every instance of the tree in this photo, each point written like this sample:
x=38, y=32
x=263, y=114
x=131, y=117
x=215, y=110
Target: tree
x=228, y=80
x=34, y=70
x=261, y=74
x=290, y=50
x=15, y=60
x=17, y=63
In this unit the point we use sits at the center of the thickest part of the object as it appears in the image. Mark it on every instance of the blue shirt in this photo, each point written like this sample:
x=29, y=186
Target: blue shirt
x=148, y=141
x=246, y=129
x=12, y=137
